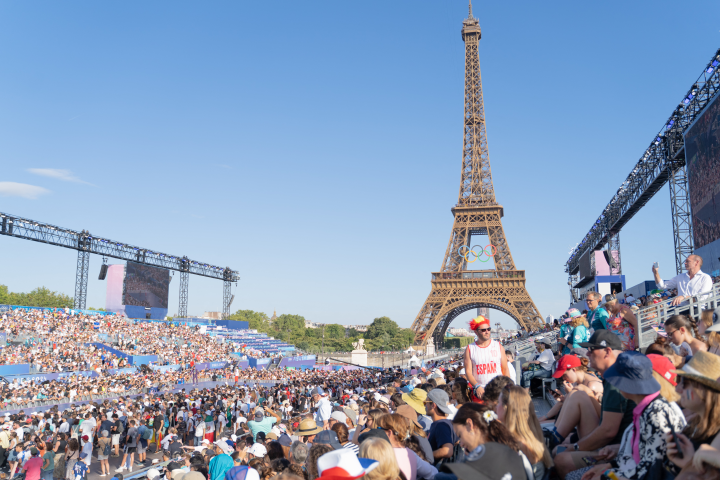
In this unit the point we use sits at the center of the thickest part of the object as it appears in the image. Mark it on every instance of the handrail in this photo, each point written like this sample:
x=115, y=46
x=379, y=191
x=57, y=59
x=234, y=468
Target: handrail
x=478, y=274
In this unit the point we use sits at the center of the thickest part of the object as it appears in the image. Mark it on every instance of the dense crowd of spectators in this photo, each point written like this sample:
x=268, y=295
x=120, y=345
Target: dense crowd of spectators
x=618, y=413
x=57, y=341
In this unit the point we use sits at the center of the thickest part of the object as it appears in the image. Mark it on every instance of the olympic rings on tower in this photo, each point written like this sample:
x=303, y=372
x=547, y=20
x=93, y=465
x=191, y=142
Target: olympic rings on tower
x=477, y=255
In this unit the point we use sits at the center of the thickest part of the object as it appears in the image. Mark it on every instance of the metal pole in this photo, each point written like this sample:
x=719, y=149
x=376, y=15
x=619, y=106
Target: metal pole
x=81, y=276
x=184, y=284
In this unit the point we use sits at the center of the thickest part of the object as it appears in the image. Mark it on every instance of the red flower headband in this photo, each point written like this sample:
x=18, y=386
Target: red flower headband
x=475, y=323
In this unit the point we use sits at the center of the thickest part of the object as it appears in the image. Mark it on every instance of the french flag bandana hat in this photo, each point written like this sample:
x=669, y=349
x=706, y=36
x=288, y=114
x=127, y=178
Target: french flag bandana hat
x=343, y=464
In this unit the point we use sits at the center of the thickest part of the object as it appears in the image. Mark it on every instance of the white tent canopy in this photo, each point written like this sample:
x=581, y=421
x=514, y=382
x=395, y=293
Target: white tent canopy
x=410, y=350
x=414, y=361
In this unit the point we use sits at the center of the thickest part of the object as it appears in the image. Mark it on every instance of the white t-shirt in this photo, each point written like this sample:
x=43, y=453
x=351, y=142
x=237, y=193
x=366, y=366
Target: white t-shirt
x=546, y=359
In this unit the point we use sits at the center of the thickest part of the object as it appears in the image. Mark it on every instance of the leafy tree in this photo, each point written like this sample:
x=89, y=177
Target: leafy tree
x=381, y=326
x=40, y=297
x=257, y=320
x=335, y=331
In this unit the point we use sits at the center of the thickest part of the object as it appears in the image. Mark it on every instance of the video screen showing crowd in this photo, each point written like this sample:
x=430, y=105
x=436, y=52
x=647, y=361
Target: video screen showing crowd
x=146, y=286
x=702, y=145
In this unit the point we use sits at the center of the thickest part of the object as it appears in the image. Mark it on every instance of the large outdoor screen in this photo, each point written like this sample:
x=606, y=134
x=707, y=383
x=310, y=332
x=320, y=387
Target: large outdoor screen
x=702, y=151
x=146, y=286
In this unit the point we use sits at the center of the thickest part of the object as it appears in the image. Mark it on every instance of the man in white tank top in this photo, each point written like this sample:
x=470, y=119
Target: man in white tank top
x=485, y=359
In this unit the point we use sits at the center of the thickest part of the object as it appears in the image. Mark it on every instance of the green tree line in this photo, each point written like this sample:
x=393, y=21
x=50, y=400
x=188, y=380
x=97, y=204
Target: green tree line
x=382, y=334
x=40, y=297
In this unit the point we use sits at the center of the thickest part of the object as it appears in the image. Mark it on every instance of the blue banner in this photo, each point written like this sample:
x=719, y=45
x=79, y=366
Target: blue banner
x=132, y=359
x=14, y=369
x=303, y=362
x=115, y=371
x=165, y=368
x=211, y=365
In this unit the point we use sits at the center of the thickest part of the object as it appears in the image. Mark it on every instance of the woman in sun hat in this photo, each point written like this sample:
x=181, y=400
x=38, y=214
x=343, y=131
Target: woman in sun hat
x=643, y=442
x=699, y=391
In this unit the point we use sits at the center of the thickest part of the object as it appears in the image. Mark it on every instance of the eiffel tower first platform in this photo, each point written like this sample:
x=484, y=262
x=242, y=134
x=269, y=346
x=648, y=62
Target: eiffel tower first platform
x=455, y=289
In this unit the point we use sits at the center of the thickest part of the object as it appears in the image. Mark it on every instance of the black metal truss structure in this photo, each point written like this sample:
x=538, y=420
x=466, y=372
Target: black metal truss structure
x=663, y=161
x=184, y=285
x=85, y=244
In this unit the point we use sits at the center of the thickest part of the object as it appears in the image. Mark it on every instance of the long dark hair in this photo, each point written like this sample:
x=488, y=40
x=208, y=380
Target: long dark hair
x=492, y=431
x=678, y=321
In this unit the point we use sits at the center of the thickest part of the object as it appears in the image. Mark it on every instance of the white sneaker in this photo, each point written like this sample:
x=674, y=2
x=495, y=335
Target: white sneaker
x=120, y=469
x=130, y=469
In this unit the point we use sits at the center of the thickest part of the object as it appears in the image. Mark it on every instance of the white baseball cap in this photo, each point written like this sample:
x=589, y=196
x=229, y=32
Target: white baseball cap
x=258, y=450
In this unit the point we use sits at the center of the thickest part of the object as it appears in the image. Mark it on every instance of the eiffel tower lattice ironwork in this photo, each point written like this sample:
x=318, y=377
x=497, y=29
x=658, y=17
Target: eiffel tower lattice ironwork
x=455, y=289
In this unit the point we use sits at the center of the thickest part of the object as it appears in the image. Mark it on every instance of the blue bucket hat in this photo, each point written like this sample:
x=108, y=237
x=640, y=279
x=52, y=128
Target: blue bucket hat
x=632, y=373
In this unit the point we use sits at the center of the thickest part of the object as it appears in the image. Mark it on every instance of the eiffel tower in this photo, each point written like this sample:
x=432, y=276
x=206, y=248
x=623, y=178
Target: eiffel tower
x=455, y=289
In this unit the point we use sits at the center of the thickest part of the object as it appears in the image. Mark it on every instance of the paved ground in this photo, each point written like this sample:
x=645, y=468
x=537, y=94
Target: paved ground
x=94, y=473
x=541, y=406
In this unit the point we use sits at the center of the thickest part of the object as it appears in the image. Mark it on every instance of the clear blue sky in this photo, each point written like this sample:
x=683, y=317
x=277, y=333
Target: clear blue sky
x=316, y=146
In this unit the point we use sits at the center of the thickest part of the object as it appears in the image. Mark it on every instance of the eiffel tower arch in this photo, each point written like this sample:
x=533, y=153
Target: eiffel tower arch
x=455, y=289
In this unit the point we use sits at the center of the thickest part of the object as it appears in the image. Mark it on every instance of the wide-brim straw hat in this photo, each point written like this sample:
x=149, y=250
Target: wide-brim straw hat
x=704, y=368
x=308, y=427
x=416, y=399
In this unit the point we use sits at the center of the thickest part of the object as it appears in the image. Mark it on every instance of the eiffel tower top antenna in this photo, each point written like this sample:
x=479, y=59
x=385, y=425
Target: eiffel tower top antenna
x=470, y=7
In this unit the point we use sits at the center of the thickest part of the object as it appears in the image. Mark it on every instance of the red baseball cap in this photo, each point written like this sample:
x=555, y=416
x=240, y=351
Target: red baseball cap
x=664, y=367
x=565, y=363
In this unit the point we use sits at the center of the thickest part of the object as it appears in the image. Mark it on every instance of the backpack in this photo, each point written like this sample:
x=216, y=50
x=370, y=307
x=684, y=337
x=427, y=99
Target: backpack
x=147, y=434
x=107, y=449
x=167, y=422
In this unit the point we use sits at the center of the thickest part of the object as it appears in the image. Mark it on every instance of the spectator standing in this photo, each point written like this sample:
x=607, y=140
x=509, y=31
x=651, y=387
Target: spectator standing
x=484, y=359
x=261, y=423
x=48, y=465
x=441, y=436
x=33, y=465
x=688, y=284
x=597, y=315
x=199, y=431
x=324, y=408
x=104, y=449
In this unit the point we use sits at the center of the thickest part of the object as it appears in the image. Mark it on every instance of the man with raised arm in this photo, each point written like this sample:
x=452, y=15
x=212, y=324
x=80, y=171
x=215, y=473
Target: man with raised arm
x=689, y=284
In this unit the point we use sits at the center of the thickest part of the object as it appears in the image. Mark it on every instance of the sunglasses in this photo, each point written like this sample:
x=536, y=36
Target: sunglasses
x=483, y=329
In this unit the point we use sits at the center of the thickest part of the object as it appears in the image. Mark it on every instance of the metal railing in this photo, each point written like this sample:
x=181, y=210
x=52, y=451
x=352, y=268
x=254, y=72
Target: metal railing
x=652, y=317
x=526, y=347
x=504, y=274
